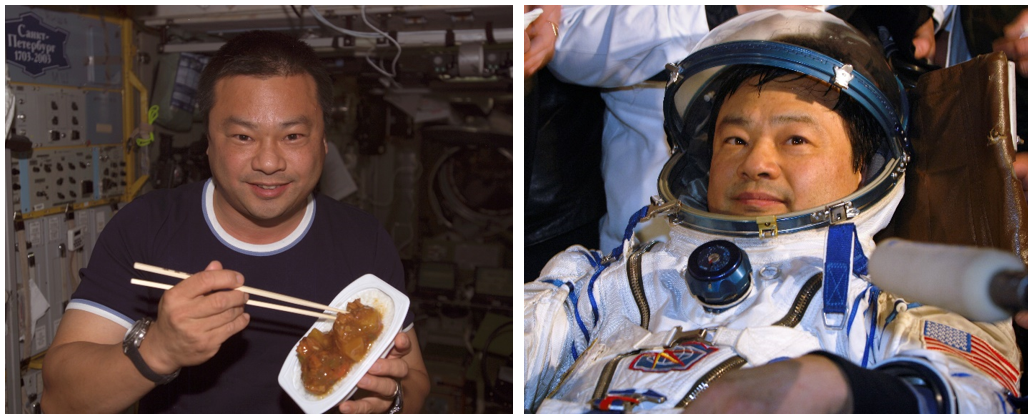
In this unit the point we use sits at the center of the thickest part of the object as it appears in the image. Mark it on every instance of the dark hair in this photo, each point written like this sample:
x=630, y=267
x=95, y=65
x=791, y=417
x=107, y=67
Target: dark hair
x=264, y=54
x=863, y=129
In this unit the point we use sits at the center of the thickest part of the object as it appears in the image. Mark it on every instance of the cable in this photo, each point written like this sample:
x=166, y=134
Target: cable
x=348, y=32
x=376, y=34
x=394, y=63
x=301, y=21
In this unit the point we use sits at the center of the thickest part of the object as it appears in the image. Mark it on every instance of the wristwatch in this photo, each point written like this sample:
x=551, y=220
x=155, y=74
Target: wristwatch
x=396, y=407
x=131, y=348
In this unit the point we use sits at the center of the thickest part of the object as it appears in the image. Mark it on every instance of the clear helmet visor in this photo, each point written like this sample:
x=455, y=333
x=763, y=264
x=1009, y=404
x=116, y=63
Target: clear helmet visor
x=813, y=44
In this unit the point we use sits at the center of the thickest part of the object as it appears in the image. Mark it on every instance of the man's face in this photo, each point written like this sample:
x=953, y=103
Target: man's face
x=266, y=148
x=780, y=149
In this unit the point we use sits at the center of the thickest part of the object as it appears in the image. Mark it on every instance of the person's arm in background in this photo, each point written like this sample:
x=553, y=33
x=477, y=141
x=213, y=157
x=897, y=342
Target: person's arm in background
x=925, y=36
x=616, y=46
x=540, y=39
x=551, y=334
x=899, y=21
x=925, y=41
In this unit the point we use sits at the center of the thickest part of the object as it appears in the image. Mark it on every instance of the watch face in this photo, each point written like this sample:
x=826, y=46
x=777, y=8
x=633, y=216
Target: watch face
x=131, y=345
x=136, y=334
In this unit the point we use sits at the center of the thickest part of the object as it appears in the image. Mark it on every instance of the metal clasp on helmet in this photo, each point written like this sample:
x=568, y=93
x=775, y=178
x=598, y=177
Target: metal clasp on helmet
x=836, y=213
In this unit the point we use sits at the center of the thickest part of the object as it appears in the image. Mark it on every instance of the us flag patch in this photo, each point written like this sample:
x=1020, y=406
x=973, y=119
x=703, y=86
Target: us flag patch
x=978, y=353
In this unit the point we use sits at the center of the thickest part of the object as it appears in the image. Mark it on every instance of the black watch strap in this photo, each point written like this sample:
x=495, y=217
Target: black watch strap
x=131, y=348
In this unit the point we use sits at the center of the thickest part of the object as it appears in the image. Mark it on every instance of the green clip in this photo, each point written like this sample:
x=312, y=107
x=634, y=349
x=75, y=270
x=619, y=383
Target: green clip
x=152, y=115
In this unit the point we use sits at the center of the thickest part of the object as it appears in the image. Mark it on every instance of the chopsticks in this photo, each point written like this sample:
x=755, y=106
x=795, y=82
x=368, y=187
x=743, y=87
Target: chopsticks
x=257, y=303
x=245, y=289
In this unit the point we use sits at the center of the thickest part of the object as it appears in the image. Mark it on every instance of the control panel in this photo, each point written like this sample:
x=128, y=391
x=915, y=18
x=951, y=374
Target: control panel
x=49, y=178
x=50, y=116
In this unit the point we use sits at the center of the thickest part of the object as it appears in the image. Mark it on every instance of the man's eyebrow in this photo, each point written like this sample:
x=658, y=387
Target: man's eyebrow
x=233, y=120
x=782, y=119
x=795, y=118
x=735, y=119
x=300, y=120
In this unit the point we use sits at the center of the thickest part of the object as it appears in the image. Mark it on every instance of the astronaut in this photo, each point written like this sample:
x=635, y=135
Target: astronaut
x=788, y=156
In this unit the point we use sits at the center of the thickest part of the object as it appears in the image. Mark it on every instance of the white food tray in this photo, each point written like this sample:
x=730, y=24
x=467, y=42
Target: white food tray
x=373, y=292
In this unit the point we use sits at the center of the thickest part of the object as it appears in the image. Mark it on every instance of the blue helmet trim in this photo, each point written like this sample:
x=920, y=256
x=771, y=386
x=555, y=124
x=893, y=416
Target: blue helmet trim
x=798, y=59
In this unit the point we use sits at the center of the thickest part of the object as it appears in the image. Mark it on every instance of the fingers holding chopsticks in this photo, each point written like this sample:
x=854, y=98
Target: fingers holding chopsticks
x=209, y=308
x=204, y=288
x=195, y=318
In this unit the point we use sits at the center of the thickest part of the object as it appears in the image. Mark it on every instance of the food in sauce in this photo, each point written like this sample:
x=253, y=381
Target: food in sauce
x=326, y=357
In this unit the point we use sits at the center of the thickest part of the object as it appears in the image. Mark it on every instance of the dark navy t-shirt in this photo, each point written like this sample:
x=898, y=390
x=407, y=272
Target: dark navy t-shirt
x=176, y=229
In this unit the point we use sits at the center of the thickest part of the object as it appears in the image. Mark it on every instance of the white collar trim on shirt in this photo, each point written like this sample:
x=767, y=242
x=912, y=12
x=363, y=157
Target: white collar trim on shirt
x=208, y=208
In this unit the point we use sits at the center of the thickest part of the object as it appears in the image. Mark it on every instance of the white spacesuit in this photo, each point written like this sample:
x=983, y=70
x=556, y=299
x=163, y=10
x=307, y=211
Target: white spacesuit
x=648, y=330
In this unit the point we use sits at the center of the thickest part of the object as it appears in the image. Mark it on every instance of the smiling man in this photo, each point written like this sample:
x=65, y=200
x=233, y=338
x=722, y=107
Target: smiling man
x=267, y=135
x=788, y=156
x=194, y=348
x=779, y=147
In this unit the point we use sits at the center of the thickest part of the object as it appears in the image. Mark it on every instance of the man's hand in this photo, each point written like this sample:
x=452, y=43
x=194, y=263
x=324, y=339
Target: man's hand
x=925, y=41
x=379, y=384
x=808, y=384
x=1014, y=44
x=194, y=319
x=540, y=39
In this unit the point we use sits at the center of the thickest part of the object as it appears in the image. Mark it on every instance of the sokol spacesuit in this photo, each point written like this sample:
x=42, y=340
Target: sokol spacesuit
x=652, y=326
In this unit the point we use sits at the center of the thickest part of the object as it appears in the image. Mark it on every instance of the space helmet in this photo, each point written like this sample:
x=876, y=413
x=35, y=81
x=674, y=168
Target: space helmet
x=811, y=43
